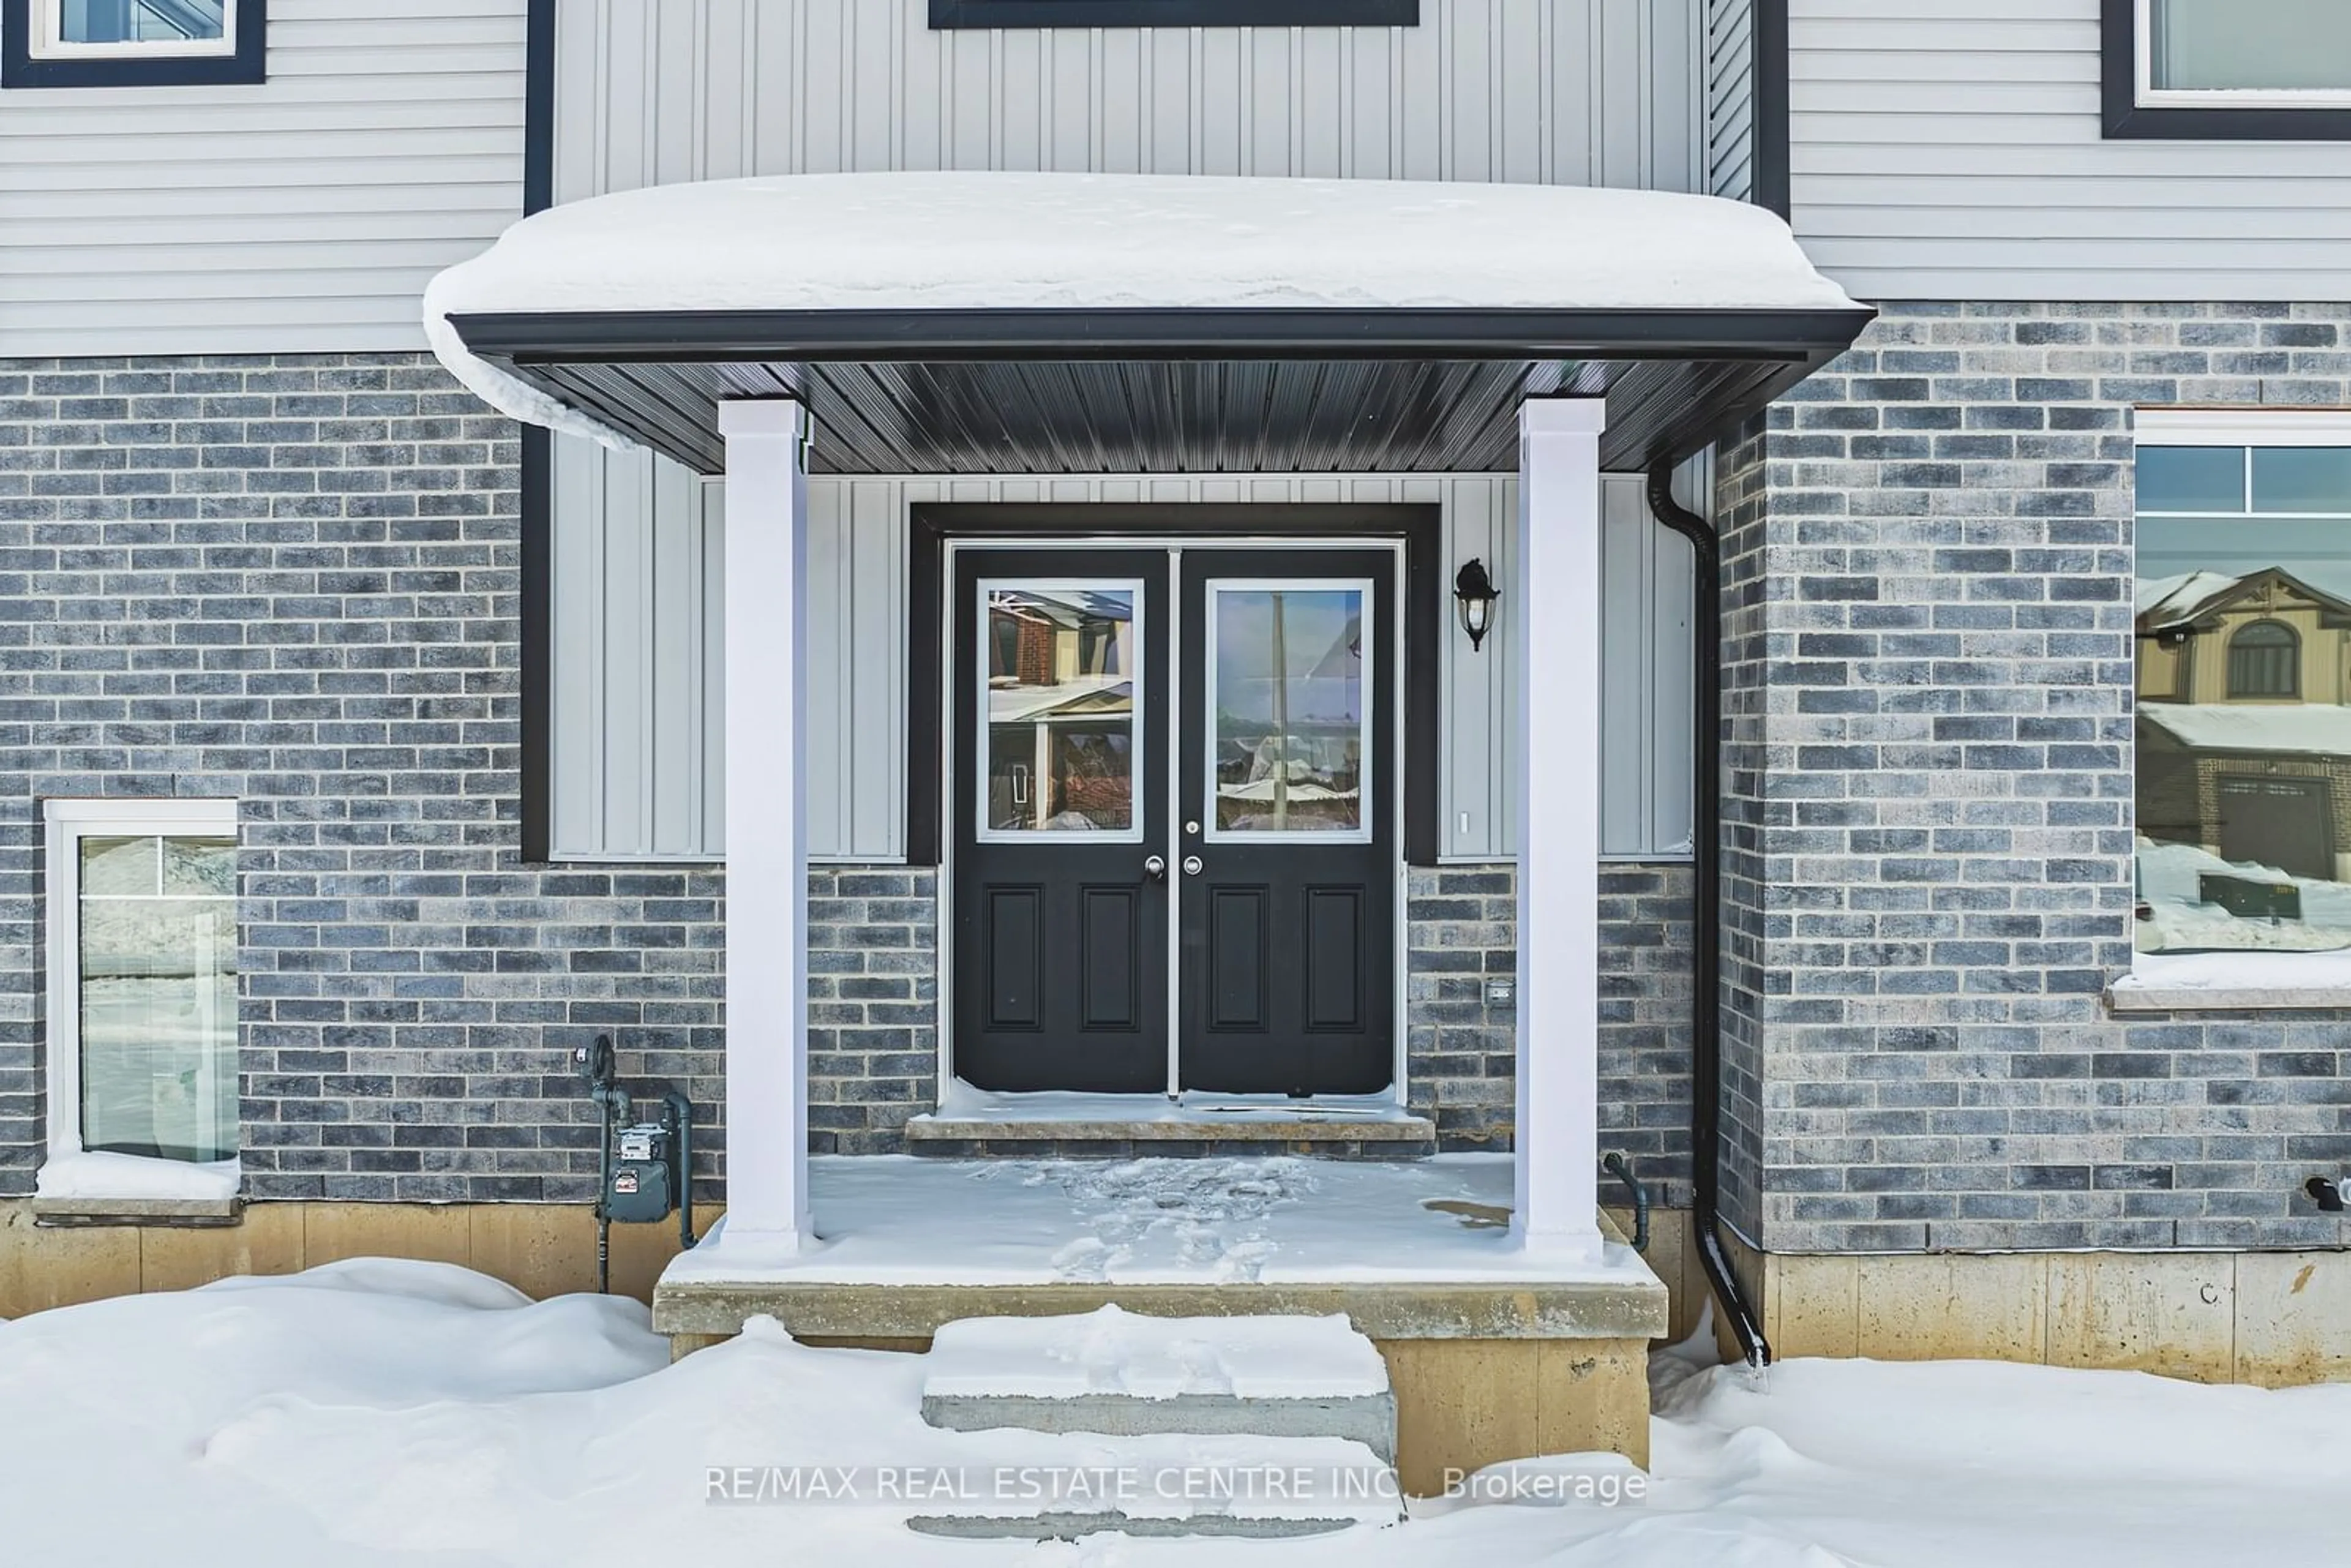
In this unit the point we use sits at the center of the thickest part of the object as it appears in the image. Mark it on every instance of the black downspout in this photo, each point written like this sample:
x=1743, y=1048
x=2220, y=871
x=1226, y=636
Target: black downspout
x=1706, y=912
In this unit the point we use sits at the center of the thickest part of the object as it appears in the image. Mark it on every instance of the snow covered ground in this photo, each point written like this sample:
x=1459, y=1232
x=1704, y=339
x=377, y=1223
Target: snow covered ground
x=375, y=1412
x=2179, y=921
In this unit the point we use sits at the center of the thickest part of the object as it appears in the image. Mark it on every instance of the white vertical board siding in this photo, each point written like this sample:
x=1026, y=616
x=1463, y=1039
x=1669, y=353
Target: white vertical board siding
x=1731, y=99
x=1645, y=700
x=302, y=214
x=638, y=683
x=639, y=687
x=1952, y=149
x=1600, y=92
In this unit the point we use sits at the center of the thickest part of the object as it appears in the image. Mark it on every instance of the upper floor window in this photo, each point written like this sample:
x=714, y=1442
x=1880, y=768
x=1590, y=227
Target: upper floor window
x=2272, y=70
x=1174, y=13
x=130, y=43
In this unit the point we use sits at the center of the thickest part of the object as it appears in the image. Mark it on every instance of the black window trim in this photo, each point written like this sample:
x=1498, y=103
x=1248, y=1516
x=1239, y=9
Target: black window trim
x=20, y=68
x=2126, y=119
x=969, y=14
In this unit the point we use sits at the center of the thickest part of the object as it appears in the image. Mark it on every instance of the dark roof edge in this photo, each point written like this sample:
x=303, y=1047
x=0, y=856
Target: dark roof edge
x=1255, y=332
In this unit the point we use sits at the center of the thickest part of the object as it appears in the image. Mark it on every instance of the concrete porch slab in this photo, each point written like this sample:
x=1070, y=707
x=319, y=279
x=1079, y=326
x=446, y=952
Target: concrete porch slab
x=1405, y=1251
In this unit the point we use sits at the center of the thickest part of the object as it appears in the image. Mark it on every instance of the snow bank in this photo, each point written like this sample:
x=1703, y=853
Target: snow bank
x=2179, y=923
x=381, y=1413
x=995, y=240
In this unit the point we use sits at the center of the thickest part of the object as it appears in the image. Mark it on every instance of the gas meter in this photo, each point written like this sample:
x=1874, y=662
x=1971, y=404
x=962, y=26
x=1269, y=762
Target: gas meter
x=644, y=1167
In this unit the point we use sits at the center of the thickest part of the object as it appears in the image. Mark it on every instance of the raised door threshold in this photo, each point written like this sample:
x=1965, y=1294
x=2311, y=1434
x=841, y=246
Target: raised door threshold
x=973, y=1119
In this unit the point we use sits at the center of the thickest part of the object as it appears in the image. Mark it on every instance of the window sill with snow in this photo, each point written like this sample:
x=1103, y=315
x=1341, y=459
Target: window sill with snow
x=88, y=1187
x=2233, y=982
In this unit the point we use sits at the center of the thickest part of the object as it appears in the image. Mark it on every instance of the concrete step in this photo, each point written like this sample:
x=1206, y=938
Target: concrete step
x=1168, y=1485
x=1232, y=1427
x=1123, y=1374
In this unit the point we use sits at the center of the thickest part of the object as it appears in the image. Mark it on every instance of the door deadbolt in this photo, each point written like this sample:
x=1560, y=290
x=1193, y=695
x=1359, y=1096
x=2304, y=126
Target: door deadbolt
x=1191, y=865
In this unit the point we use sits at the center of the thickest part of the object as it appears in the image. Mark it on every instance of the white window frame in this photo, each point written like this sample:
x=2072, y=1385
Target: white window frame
x=68, y=821
x=1365, y=790
x=1133, y=832
x=2174, y=983
x=49, y=42
x=2147, y=95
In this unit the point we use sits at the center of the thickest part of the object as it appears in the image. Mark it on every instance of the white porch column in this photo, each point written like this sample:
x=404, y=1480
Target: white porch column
x=1557, y=655
x=767, y=822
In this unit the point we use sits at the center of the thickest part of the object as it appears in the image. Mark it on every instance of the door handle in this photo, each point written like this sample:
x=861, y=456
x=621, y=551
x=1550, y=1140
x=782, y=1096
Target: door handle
x=1155, y=868
x=1191, y=865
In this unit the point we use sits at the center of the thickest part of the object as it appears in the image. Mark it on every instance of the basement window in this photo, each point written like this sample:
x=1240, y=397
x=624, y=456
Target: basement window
x=2241, y=640
x=142, y=1000
x=130, y=43
x=954, y=14
x=2197, y=70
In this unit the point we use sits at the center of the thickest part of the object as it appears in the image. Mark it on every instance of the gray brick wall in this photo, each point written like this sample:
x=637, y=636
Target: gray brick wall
x=1928, y=840
x=293, y=582
x=1461, y=930
x=873, y=1017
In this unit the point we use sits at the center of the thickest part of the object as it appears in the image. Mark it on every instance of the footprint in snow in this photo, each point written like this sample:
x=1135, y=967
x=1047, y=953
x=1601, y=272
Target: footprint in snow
x=1244, y=1260
x=1087, y=1261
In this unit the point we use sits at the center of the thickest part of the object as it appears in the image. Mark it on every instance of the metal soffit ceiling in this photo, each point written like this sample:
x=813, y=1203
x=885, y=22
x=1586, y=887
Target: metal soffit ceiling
x=1046, y=391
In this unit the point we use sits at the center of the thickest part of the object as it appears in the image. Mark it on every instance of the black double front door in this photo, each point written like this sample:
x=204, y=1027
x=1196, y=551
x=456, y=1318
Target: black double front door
x=1173, y=809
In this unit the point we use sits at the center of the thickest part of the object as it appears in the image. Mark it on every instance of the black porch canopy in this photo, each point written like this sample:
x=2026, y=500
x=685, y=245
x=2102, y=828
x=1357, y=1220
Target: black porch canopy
x=1157, y=390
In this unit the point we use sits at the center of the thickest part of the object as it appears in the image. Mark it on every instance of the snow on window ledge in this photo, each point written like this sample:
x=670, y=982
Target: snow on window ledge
x=89, y=1184
x=2212, y=982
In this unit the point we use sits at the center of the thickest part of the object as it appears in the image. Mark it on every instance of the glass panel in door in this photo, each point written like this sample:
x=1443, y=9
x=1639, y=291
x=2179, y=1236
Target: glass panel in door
x=1061, y=665
x=1290, y=747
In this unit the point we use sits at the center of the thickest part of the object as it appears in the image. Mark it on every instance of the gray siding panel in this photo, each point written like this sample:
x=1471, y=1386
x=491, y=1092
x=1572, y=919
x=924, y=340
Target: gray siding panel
x=303, y=214
x=638, y=749
x=1953, y=150
x=1564, y=91
x=1731, y=99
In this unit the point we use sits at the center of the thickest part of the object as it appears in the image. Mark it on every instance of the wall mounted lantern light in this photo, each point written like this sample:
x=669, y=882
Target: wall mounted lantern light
x=1474, y=596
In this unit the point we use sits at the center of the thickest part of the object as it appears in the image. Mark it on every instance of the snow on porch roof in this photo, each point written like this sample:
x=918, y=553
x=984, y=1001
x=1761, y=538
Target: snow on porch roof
x=666, y=267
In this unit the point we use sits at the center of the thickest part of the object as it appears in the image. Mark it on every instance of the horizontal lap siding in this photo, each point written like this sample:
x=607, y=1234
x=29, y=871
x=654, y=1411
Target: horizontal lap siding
x=1953, y=150
x=303, y=214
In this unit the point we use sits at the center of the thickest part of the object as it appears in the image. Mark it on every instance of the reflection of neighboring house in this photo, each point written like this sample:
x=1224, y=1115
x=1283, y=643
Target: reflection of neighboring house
x=1037, y=641
x=1063, y=670
x=2244, y=742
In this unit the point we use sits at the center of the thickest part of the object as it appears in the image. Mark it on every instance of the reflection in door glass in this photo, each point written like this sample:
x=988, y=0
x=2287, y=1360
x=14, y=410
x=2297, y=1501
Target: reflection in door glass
x=1289, y=703
x=1062, y=669
x=2243, y=647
